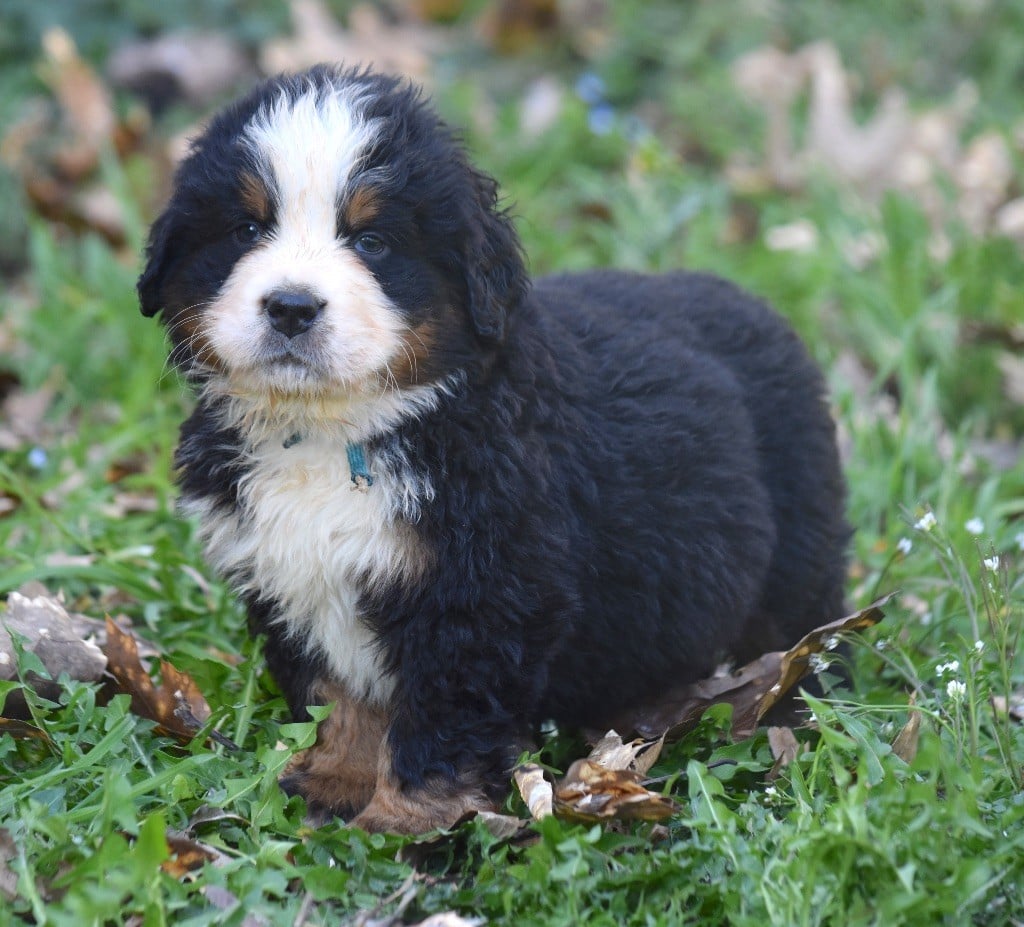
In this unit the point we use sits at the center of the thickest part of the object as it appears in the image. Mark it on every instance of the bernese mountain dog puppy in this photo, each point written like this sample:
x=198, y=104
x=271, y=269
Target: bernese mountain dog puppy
x=456, y=502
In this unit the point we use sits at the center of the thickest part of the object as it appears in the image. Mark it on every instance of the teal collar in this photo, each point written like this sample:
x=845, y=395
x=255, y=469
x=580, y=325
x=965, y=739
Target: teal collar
x=358, y=469
x=362, y=478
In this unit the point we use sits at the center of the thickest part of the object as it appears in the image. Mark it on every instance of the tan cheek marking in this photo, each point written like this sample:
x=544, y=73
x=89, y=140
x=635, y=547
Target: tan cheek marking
x=187, y=329
x=417, y=344
x=254, y=197
x=340, y=770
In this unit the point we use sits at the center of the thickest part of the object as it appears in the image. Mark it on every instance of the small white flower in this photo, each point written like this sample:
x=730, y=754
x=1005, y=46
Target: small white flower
x=975, y=526
x=955, y=689
x=770, y=794
x=992, y=563
x=953, y=666
x=979, y=646
x=926, y=522
x=818, y=663
x=904, y=546
x=832, y=642
x=1019, y=538
x=5, y=659
x=926, y=618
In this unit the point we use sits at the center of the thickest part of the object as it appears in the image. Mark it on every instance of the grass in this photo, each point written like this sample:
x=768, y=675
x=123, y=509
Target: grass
x=851, y=832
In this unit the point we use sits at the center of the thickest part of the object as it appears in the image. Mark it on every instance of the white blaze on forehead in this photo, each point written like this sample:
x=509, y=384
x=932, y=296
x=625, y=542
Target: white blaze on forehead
x=309, y=146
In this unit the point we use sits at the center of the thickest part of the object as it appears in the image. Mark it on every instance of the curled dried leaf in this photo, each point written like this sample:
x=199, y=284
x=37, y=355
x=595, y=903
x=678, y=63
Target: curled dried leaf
x=177, y=706
x=188, y=855
x=752, y=689
x=535, y=790
x=590, y=792
x=905, y=744
x=785, y=748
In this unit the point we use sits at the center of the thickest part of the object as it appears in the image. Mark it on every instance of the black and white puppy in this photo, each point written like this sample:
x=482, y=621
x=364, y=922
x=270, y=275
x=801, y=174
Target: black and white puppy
x=456, y=502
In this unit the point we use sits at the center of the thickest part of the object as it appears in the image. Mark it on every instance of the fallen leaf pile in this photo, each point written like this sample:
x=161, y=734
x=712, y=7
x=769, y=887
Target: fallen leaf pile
x=57, y=145
x=894, y=149
x=88, y=650
x=608, y=784
x=399, y=47
x=611, y=782
x=752, y=690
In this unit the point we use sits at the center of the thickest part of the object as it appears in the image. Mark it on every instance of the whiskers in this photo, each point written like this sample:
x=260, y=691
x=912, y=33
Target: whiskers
x=191, y=357
x=408, y=364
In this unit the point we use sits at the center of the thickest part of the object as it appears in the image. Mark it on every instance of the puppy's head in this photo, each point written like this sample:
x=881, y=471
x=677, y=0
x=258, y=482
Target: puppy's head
x=328, y=237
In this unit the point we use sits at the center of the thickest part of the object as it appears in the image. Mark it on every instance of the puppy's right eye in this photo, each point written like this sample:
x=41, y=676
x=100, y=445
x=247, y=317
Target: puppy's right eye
x=248, y=233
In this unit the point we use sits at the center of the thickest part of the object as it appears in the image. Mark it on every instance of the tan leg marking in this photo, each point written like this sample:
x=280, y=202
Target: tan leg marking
x=338, y=773
x=438, y=804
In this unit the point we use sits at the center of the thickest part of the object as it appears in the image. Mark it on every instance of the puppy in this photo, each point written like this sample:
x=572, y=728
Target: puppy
x=458, y=503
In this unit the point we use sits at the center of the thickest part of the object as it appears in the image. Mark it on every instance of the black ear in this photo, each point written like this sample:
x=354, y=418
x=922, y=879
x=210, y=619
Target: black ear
x=158, y=261
x=496, y=277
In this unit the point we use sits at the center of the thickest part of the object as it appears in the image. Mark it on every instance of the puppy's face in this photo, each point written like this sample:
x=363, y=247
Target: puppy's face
x=327, y=237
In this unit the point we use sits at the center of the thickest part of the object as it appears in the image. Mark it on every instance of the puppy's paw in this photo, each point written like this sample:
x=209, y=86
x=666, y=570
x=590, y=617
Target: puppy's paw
x=440, y=804
x=319, y=809
x=338, y=774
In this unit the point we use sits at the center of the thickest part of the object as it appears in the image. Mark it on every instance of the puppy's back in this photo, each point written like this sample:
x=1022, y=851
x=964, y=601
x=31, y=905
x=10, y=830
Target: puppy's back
x=638, y=328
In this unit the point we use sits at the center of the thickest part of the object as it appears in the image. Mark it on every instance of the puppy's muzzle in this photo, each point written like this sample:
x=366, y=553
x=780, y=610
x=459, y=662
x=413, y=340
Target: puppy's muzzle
x=292, y=310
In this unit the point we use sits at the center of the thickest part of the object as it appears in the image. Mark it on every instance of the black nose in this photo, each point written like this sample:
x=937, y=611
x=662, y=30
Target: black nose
x=292, y=311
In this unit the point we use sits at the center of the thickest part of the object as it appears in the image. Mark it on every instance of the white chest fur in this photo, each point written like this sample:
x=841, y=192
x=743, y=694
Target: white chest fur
x=305, y=537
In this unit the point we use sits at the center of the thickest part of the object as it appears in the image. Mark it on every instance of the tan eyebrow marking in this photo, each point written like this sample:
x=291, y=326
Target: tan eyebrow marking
x=255, y=196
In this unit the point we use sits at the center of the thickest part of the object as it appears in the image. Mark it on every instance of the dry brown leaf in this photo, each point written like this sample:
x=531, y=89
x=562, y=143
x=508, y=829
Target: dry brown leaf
x=65, y=642
x=398, y=48
x=198, y=66
x=1009, y=219
x=535, y=790
x=8, y=503
x=8, y=877
x=131, y=503
x=1012, y=706
x=188, y=855
x=220, y=897
x=1008, y=335
x=23, y=414
x=512, y=26
x=16, y=727
x=177, y=706
x=502, y=826
x=45, y=629
x=638, y=755
x=905, y=744
x=892, y=149
x=785, y=748
x=1012, y=369
x=752, y=690
x=590, y=792
x=55, y=147
x=87, y=108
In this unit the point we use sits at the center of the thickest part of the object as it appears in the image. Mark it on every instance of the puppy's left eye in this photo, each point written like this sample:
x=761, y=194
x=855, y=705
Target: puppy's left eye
x=248, y=233
x=370, y=243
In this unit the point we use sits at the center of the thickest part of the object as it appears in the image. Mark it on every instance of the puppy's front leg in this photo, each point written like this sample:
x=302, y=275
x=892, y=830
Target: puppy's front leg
x=338, y=774
x=459, y=713
x=406, y=808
